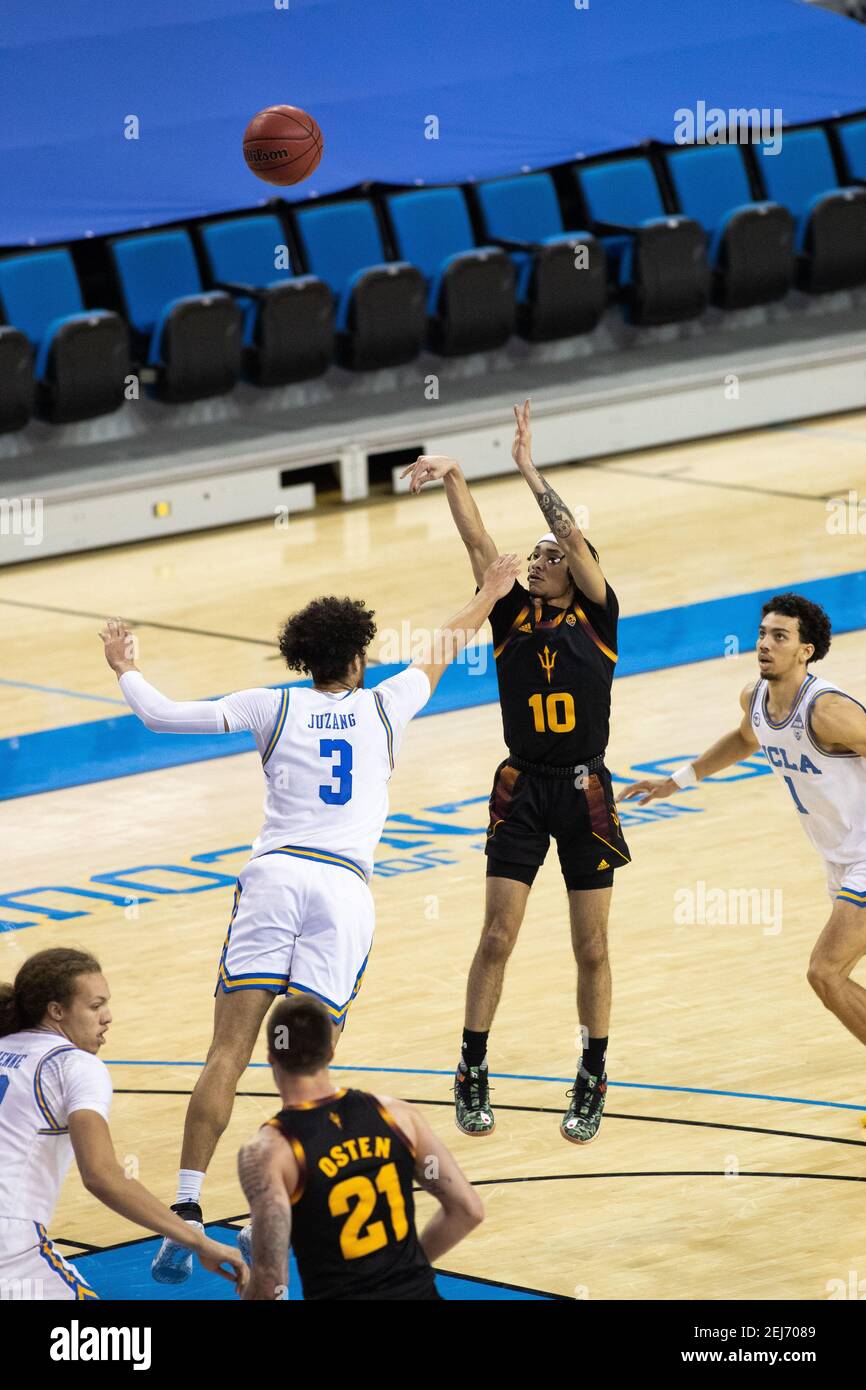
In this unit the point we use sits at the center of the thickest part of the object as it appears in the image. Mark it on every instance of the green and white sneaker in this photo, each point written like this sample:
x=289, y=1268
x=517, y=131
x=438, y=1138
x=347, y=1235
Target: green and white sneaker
x=473, y=1112
x=581, y=1121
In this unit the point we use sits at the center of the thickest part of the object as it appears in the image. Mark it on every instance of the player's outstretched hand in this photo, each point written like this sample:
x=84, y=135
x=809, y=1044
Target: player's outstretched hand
x=651, y=789
x=521, y=449
x=120, y=645
x=428, y=468
x=213, y=1256
x=500, y=576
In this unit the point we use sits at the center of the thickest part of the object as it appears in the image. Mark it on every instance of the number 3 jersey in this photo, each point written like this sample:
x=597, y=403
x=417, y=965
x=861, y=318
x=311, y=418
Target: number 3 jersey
x=555, y=670
x=327, y=760
x=828, y=789
x=353, y=1214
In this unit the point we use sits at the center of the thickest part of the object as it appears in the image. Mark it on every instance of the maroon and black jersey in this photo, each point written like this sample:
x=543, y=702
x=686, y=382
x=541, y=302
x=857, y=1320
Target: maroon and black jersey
x=555, y=669
x=353, y=1213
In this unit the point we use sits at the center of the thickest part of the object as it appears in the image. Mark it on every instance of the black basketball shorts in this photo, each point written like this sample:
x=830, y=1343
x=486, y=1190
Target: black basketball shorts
x=527, y=809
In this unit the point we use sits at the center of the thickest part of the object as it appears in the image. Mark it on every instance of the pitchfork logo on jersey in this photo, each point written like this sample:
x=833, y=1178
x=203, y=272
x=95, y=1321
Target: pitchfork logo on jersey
x=335, y=1119
x=547, y=662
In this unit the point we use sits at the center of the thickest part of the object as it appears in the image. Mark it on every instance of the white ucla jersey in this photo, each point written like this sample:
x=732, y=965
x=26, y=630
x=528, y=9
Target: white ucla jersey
x=828, y=790
x=327, y=759
x=43, y=1079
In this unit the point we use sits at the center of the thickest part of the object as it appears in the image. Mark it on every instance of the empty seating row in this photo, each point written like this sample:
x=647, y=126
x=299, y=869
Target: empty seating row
x=196, y=311
x=370, y=282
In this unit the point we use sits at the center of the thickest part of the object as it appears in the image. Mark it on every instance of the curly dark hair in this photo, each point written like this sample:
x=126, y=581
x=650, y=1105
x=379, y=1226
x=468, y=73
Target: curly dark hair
x=324, y=638
x=813, y=623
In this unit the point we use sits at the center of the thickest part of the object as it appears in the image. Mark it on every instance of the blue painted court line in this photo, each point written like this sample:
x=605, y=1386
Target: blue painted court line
x=60, y=690
x=124, y=1273
x=522, y=1076
x=121, y=747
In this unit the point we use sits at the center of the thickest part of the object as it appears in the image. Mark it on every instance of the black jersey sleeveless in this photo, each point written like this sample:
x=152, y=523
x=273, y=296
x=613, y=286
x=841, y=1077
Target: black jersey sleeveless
x=353, y=1213
x=555, y=669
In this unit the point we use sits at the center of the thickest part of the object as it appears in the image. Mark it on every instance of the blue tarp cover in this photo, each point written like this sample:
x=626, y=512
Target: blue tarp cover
x=512, y=84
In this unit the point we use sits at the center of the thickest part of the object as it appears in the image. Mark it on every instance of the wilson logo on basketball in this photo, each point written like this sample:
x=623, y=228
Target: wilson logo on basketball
x=257, y=156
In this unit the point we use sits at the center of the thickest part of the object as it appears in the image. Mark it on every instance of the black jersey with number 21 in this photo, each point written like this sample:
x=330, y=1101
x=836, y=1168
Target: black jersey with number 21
x=353, y=1215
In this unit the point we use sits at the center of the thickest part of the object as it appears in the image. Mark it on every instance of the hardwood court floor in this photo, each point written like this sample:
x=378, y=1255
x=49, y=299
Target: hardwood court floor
x=714, y=1175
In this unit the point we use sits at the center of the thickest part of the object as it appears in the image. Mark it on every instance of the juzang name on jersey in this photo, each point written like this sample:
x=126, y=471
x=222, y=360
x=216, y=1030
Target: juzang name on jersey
x=331, y=720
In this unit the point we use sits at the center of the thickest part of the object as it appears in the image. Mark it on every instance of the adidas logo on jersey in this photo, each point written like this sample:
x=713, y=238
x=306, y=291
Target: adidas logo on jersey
x=797, y=726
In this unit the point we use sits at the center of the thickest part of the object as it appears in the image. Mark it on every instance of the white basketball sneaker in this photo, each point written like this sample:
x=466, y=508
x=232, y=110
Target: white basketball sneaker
x=245, y=1242
x=172, y=1263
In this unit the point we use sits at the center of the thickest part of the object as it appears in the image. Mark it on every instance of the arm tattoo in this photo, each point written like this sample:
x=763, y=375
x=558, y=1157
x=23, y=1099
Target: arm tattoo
x=558, y=516
x=271, y=1218
x=271, y=1234
x=251, y=1171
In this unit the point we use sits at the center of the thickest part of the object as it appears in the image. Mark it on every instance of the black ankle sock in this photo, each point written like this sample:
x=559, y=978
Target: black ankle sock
x=594, y=1056
x=474, y=1049
x=187, y=1211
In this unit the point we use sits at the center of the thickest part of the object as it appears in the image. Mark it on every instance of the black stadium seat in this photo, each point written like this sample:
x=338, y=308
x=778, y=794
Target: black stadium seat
x=561, y=275
x=17, y=387
x=831, y=221
x=658, y=260
x=288, y=319
x=750, y=244
x=80, y=356
x=470, y=289
x=380, y=320
x=851, y=138
x=188, y=340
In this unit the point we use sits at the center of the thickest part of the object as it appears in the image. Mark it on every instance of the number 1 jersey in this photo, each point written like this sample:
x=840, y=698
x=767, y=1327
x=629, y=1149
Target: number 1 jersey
x=828, y=788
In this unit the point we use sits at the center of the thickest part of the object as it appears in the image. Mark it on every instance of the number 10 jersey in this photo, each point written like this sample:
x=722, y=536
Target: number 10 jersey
x=555, y=670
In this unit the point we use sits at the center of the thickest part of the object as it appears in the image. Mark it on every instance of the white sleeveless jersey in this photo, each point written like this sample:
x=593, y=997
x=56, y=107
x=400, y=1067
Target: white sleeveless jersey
x=327, y=760
x=828, y=790
x=43, y=1079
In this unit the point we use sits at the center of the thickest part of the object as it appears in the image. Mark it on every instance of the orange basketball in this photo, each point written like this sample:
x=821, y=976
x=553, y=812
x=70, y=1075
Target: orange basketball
x=282, y=145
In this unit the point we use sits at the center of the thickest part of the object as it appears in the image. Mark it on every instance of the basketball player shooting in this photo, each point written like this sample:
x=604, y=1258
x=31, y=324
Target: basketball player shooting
x=303, y=913
x=555, y=650
x=814, y=737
